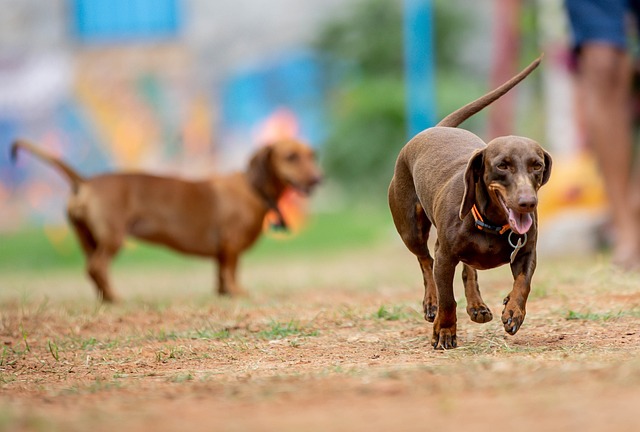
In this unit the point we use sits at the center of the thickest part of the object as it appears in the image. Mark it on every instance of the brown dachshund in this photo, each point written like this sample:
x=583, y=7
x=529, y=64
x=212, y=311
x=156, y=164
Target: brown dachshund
x=218, y=218
x=482, y=200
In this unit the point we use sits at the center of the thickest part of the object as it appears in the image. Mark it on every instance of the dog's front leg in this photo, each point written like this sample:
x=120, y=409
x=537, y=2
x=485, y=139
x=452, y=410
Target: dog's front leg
x=476, y=308
x=227, y=267
x=515, y=303
x=444, y=326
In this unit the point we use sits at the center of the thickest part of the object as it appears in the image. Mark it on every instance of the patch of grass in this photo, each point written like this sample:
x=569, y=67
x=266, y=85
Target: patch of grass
x=172, y=353
x=329, y=232
x=96, y=386
x=6, y=378
x=539, y=291
x=4, y=356
x=87, y=344
x=100, y=384
x=24, y=338
x=181, y=377
x=162, y=336
x=53, y=349
x=396, y=313
x=278, y=330
x=493, y=345
x=594, y=316
x=204, y=333
x=210, y=334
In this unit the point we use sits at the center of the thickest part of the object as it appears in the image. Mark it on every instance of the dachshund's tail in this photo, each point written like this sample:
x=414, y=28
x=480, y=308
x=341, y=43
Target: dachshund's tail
x=455, y=118
x=74, y=178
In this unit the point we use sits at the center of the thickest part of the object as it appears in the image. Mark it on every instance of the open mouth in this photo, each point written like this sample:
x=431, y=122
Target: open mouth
x=520, y=222
x=302, y=189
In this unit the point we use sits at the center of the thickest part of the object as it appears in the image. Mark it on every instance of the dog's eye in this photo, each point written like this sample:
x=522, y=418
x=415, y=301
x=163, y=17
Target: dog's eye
x=503, y=166
x=537, y=166
x=292, y=157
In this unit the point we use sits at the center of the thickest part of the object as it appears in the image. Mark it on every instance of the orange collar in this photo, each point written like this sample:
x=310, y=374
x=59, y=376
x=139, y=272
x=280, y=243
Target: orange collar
x=484, y=226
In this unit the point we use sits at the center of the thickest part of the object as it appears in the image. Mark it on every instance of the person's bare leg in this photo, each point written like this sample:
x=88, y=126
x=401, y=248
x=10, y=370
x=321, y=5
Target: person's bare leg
x=604, y=85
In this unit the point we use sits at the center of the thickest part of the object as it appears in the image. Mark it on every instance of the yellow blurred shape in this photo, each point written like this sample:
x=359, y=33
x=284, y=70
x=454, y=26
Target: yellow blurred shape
x=57, y=236
x=575, y=183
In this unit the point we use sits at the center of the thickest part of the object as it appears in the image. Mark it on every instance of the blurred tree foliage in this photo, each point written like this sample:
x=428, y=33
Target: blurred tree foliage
x=363, y=50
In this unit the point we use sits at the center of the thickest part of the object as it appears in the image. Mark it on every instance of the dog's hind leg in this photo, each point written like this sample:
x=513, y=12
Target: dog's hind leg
x=98, y=255
x=414, y=226
x=430, y=299
x=98, y=269
x=476, y=308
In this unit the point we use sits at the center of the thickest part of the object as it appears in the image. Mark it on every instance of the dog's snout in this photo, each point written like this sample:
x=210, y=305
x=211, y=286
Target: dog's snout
x=527, y=202
x=316, y=179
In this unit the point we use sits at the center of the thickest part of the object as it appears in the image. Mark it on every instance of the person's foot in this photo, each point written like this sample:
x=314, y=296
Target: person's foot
x=626, y=255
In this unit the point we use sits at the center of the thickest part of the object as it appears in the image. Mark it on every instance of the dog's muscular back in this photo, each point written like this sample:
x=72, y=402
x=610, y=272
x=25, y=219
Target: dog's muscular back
x=440, y=174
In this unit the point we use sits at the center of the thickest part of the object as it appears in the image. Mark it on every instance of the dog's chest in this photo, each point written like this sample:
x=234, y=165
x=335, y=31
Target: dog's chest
x=485, y=251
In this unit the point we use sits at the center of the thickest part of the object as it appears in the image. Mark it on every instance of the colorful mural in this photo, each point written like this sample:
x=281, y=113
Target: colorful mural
x=128, y=108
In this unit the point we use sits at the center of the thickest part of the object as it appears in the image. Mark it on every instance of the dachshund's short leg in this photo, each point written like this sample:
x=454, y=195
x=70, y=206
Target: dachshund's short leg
x=430, y=300
x=413, y=225
x=418, y=245
x=476, y=308
x=444, y=326
x=98, y=255
x=227, y=268
x=98, y=269
x=515, y=303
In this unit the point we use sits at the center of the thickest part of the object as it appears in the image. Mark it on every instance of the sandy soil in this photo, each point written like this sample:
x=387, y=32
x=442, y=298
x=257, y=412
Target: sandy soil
x=330, y=343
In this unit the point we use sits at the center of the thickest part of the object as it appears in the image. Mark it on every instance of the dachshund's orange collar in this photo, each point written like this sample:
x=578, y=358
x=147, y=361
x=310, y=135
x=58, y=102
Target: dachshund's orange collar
x=485, y=226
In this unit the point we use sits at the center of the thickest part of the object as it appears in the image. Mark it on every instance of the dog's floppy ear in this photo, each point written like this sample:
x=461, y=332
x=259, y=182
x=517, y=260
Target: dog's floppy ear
x=547, y=168
x=471, y=177
x=260, y=165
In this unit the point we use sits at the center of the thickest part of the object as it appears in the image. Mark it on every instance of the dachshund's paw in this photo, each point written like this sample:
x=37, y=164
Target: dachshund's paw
x=479, y=313
x=430, y=310
x=235, y=293
x=512, y=318
x=444, y=339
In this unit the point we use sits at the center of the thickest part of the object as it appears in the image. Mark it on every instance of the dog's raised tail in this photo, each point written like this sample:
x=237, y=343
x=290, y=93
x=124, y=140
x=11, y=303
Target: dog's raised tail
x=455, y=118
x=74, y=178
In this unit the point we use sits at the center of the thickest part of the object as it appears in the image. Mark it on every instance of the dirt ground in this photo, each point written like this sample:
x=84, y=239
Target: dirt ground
x=323, y=343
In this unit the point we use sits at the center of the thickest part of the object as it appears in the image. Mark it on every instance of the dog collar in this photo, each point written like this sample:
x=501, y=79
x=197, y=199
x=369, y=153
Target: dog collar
x=280, y=224
x=485, y=226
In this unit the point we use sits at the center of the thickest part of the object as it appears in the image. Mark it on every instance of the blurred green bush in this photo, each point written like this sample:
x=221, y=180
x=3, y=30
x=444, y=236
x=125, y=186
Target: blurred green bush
x=363, y=50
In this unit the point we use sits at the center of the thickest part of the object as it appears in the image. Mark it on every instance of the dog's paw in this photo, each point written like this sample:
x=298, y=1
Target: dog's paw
x=444, y=339
x=430, y=311
x=512, y=318
x=235, y=293
x=479, y=313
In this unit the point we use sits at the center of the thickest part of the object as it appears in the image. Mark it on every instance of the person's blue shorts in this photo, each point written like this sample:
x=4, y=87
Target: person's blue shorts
x=601, y=21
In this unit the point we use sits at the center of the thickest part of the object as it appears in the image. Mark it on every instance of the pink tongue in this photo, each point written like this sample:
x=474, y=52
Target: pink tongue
x=520, y=222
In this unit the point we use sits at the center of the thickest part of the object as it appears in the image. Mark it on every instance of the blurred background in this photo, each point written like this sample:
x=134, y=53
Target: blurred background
x=192, y=87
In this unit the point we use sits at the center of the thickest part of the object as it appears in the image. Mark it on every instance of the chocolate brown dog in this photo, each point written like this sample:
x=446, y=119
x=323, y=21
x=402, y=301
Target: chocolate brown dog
x=482, y=200
x=218, y=218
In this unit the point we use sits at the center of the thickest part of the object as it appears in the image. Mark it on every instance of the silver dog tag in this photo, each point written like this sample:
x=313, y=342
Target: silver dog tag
x=517, y=247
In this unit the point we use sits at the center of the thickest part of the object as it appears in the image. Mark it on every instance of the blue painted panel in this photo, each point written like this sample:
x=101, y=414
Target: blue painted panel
x=117, y=20
x=293, y=82
x=419, y=65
